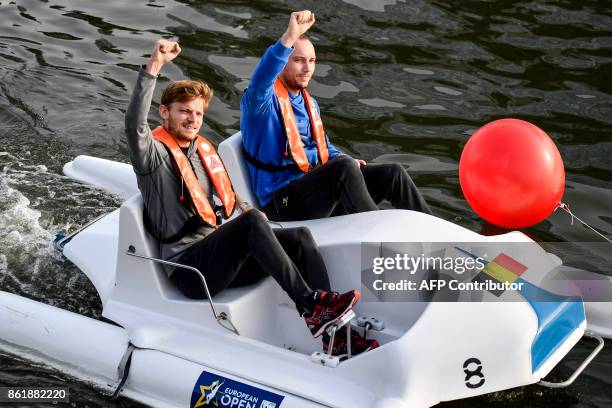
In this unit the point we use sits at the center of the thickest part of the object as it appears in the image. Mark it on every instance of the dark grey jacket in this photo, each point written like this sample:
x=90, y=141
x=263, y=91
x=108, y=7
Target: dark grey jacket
x=158, y=183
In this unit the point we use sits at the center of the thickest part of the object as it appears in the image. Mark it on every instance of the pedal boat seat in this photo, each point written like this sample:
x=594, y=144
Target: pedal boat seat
x=143, y=284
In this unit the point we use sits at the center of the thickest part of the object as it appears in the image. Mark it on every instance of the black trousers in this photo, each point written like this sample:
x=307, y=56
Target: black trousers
x=244, y=250
x=341, y=186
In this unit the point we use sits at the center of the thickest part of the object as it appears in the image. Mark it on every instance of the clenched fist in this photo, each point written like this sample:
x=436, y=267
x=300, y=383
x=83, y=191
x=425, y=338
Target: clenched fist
x=163, y=52
x=299, y=23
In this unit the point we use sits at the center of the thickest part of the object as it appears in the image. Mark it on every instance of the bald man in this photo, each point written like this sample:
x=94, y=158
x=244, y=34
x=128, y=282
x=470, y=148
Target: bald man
x=295, y=172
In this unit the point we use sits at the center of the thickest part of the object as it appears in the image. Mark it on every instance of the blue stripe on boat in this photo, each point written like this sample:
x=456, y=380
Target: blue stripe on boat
x=558, y=317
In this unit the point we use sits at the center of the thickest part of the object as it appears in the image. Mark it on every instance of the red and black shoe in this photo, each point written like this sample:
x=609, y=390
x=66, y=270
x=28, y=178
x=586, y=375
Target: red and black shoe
x=328, y=308
x=340, y=348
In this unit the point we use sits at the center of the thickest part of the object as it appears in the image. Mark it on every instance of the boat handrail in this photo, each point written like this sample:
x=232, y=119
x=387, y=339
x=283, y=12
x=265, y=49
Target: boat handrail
x=222, y=318
x=581, y=367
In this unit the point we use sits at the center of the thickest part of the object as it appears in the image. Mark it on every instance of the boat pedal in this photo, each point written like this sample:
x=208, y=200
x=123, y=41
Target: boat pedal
x=324, y=359
x=341, y=322
x=344, y=320
x=370, y=323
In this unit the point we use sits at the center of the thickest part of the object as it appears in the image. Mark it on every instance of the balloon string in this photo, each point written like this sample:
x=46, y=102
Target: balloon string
x=566, y=208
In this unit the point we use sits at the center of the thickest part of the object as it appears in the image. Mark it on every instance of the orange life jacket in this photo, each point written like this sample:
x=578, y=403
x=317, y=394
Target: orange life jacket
x=214, y=168
x=296, y=148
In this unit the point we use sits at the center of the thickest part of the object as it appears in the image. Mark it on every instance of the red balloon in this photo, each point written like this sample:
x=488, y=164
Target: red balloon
x=511, y=173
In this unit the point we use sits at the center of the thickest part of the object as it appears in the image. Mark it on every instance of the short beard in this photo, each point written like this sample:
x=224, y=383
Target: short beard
x=171, y=128
x=291, y=84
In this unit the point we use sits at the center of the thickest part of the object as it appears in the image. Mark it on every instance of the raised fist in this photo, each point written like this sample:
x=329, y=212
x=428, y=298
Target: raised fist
x=299, y=23
x=163, y=52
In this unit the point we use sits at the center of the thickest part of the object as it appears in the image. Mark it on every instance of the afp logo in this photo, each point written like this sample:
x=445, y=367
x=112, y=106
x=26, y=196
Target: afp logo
x=474, y=378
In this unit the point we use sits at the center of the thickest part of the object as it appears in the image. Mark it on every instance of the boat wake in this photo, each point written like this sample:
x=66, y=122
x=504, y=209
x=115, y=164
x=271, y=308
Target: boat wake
x=22, y=238
x=29, y=265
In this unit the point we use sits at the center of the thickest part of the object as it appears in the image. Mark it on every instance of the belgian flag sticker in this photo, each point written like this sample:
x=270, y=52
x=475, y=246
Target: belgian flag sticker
x=500, y=270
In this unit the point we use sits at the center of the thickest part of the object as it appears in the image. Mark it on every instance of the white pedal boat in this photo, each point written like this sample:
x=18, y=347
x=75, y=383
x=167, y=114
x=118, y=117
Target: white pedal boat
x=180, y=356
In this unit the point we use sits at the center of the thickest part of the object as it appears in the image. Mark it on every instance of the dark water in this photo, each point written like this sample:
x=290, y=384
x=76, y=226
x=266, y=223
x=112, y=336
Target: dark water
x=405, y=82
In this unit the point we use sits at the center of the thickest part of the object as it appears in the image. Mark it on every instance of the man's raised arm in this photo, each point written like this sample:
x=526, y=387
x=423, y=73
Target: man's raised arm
x=137, y=129
x=261, y=87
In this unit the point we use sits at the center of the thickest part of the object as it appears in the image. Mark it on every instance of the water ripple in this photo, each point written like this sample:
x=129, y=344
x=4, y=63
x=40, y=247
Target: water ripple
x=397, y=81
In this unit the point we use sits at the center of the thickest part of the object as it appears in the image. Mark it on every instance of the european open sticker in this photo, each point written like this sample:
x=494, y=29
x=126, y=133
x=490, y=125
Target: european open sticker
x=220, y=392
x=483, y=271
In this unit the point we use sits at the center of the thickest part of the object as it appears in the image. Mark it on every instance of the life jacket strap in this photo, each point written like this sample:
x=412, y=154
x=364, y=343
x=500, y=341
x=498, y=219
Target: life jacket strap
x=266, y=166
x=190, y=226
